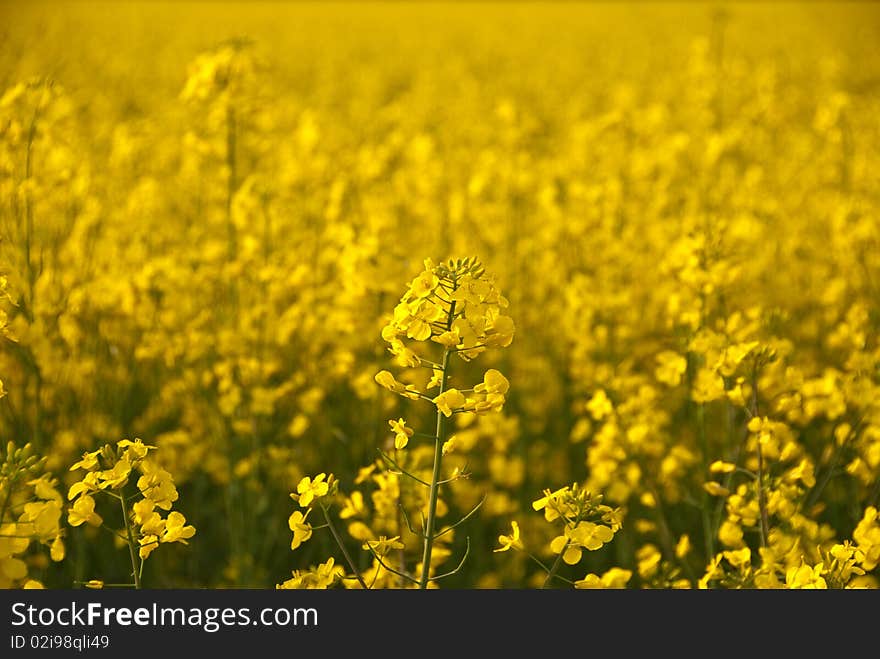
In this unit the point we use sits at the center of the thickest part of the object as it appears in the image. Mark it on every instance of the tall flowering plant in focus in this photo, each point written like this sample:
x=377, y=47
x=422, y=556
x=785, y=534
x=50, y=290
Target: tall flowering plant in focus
x=449, y=310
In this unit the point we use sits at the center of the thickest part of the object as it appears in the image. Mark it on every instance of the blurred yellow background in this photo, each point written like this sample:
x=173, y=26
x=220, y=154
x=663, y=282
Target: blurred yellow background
x=208, y=211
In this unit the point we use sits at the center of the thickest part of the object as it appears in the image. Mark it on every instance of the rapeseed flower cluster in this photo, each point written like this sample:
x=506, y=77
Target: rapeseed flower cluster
x=107, y=472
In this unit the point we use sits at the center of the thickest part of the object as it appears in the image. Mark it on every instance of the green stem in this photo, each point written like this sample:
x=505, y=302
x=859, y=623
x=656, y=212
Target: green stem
x=439, y=439
x=538, y=561
x=136, y=573
x=555, y=566
x=434, y=487
x=341, y=544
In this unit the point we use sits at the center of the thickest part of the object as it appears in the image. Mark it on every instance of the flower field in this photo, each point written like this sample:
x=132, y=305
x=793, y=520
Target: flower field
x=453, y=295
